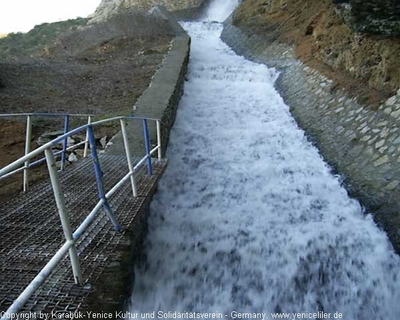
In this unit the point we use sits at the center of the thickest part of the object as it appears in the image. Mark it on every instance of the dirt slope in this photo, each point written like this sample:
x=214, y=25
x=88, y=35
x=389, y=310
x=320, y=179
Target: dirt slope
x=101, y=70
x=366, y=65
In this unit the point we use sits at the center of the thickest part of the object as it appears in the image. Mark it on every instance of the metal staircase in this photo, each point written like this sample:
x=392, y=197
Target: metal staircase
x=47, y=265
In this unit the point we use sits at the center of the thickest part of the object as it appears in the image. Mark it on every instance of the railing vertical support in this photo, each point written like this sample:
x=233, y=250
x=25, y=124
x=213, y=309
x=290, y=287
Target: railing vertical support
x=62, y=210
x=99, y=179
x=128, y=156
x=65, y=143
x=159, y=139
x=27, y=150
x=147, y=144
x=85, y=151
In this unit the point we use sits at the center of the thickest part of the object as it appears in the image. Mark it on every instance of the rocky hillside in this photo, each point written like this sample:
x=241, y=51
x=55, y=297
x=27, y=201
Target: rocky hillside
x=356, y=43
x=108, y=8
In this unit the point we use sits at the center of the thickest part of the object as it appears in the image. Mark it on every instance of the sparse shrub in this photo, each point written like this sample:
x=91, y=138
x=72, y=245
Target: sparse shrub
x=132, y=24
x=18, y=45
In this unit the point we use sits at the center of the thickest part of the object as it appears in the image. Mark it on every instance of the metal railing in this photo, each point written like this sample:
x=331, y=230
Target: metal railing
x=70, y=236
x=28, y=139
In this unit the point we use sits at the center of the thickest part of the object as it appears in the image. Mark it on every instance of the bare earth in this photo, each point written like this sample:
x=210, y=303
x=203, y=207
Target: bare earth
x=366, y=66
x=104, y=80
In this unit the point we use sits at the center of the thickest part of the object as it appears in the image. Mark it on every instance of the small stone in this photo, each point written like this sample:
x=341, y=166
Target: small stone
x=391, y=101
x=395, y=114
x=383, y=149
x=392, y=149
x=359, y=110
x=375, y=156
x=359, y=117
x=338, y=110
x=381, y=161
x=382, y=124
x=387, y=111
x=349, y=133
x=392, y=185
x=352, y=137
x=384, y=133
x=356, y=151
x=379, y=144
x=369, y=151
x=72, y=157
x=348, y=102
x=372, y=140
x=365, y=138
x=362, y=126
x=365, y=130
x=70, y=142
x=397, y=141
x=103, y=141
x=349, y=119
x=339, y=129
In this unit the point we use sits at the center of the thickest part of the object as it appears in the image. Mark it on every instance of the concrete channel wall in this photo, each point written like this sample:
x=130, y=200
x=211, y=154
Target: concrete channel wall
x=159, y=101
x=361, y=144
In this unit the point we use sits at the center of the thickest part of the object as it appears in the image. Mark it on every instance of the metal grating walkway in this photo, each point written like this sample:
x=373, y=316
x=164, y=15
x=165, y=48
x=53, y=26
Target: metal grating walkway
x=32, y=233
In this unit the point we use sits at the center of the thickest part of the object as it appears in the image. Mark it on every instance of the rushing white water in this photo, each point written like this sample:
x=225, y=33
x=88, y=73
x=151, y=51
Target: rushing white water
x=248, y=217
x=220, y=10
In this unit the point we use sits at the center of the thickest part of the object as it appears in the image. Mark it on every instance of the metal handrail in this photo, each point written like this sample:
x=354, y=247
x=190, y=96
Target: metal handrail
x=28, y=139
x=42, y=114
x=70, y=236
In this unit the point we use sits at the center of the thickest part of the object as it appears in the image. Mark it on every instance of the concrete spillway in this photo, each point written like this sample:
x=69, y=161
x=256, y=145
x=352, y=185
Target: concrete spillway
x=248, y=217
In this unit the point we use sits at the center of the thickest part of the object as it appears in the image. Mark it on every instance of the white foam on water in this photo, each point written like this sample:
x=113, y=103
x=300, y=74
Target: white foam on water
x=248, y=217
x=220, y=10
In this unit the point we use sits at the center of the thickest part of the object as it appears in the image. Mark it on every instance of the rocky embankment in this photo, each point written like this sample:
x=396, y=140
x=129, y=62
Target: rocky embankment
x=342, y=87
x=365, y=63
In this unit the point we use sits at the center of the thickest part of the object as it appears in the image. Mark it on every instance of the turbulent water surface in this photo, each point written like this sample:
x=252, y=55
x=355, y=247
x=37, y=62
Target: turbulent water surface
x=248, y=217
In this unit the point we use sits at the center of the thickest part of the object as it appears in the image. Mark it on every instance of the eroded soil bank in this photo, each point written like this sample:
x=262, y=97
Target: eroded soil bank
x=366, y=65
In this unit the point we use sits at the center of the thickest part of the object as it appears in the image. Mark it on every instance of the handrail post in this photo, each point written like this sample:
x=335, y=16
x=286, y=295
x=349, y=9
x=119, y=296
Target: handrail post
x=62, y=210
x=65, y=142
x=158, y=122
x=85, y=151
x=27, y=150
x=99, y=179
x=128, y=156
x=147, y=144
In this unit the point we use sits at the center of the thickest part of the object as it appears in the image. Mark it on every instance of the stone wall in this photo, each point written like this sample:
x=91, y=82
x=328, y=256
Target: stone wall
x=361, y=144
x=160, y=100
